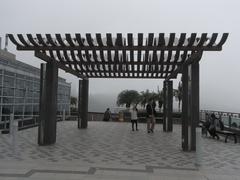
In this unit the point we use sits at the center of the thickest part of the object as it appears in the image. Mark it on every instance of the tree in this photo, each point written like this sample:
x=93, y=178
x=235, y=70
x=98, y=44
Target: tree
x=145, y=96
x=178, y=95
x=73, y=101
x=127, y=97
x=159, y=99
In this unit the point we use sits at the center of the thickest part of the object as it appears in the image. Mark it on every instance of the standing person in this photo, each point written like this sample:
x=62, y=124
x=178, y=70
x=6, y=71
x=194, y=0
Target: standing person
x=107, y=115
x=206, y=125
x=150, y=116
x=212, y=127
x=134, y=117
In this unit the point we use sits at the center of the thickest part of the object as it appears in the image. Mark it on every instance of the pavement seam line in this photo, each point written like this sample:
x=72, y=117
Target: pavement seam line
x=91, y=171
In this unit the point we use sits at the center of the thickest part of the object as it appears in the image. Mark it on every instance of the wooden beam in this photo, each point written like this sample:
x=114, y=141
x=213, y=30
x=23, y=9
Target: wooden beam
x=126, y=48
x=153, y=61
x=46, y=58
x=195, y=56
x=46, y=43
x=212, y=40
x=119, y=76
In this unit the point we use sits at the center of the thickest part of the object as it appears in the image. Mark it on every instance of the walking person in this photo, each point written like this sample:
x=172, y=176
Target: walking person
x=134, y=117
x=151, y=113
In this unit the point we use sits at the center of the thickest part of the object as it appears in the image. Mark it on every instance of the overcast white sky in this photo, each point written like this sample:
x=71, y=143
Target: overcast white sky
x=219, y=71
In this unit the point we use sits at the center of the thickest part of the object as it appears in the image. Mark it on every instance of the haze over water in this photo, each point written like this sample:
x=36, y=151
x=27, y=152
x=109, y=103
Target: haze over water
x=219, y=71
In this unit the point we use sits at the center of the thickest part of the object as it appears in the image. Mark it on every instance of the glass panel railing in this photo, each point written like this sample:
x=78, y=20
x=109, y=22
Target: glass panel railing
x=229, y=119
x=235, y=122
x=225, y=120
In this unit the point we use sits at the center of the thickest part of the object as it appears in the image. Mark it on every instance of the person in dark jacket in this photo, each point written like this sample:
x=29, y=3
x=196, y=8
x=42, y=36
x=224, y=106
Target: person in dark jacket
x=212, y=127
x=107, y=115
x=151, y=113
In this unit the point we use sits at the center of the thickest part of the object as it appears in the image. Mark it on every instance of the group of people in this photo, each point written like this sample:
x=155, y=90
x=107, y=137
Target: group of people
x=151, y=114
x=211, y=124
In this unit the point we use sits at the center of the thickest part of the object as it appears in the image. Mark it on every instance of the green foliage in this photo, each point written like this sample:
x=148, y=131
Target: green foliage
x=128, y=97
x=159, y=98
x=177, y=93
x=73, y=101
x=145, y=96
x=73, y=110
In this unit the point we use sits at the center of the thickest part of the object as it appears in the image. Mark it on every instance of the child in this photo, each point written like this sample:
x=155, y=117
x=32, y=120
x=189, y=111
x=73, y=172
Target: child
x=134, y=117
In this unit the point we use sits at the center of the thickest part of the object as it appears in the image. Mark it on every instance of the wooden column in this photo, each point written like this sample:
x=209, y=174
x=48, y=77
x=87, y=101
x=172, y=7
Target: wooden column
x=48, y=104
x=185, y=108
x=168, y=101
x=195, y=103
x=190, y=105
x=83, y=103
x=79, y=103
x=164, y=105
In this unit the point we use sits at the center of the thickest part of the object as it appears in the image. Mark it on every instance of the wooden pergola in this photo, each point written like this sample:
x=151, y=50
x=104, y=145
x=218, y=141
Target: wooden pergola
x=118, y=56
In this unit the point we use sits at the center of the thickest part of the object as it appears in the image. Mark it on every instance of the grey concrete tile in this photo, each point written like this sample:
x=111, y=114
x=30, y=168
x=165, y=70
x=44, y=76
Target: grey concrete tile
x=114, y=145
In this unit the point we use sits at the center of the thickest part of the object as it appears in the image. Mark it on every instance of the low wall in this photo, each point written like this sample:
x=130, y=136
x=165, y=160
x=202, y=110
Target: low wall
x=95, y=116
x=126, y=117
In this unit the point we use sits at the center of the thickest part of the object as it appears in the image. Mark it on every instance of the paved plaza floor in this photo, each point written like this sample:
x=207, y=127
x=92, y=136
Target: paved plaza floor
x=110, y=150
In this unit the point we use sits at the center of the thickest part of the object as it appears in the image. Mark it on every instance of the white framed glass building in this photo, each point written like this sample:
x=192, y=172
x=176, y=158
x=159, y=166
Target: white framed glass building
x=20, y=90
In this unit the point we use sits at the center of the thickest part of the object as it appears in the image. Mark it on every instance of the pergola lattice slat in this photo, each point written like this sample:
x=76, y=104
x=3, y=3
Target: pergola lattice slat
x=107, y=57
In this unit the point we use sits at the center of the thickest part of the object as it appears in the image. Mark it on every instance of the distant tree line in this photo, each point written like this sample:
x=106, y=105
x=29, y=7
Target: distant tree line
x=73, y=102
x=133, y=97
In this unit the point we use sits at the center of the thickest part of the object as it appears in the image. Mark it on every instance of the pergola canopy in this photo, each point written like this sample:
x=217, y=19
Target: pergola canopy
x=151, y=56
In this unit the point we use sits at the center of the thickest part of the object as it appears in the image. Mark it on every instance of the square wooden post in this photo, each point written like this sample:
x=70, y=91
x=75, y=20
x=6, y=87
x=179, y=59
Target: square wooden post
x=83, y=103
x=185, y=108
x=190, y=105
x=167, y=108
x=195, y=103
x=48, y=104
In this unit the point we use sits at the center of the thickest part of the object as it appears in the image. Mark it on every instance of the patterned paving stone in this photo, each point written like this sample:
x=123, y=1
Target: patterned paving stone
x=109, y=143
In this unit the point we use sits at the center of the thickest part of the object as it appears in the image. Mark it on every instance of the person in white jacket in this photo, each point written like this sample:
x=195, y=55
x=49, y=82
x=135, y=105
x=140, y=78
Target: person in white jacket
x=134, y=117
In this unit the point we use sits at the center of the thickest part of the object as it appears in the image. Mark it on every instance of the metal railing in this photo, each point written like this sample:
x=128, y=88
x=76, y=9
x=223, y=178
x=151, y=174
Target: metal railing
x=230, y=120
x=24, y=123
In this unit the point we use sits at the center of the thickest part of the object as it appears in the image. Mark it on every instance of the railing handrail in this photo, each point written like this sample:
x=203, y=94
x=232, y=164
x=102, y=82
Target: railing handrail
x=219, y=111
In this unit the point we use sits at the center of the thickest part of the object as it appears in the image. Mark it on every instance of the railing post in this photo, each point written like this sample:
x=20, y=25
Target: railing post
x=11, y=126
x=229, y=120
x=5, y=123
x=64, y=115
x=22, y=122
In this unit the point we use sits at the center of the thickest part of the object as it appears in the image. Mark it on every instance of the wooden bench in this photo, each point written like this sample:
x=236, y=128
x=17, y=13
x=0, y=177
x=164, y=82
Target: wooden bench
x=222, y=132
x=227, y=134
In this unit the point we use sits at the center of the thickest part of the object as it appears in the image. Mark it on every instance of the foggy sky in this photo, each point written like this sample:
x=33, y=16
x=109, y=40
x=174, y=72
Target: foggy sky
x=219, y=71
